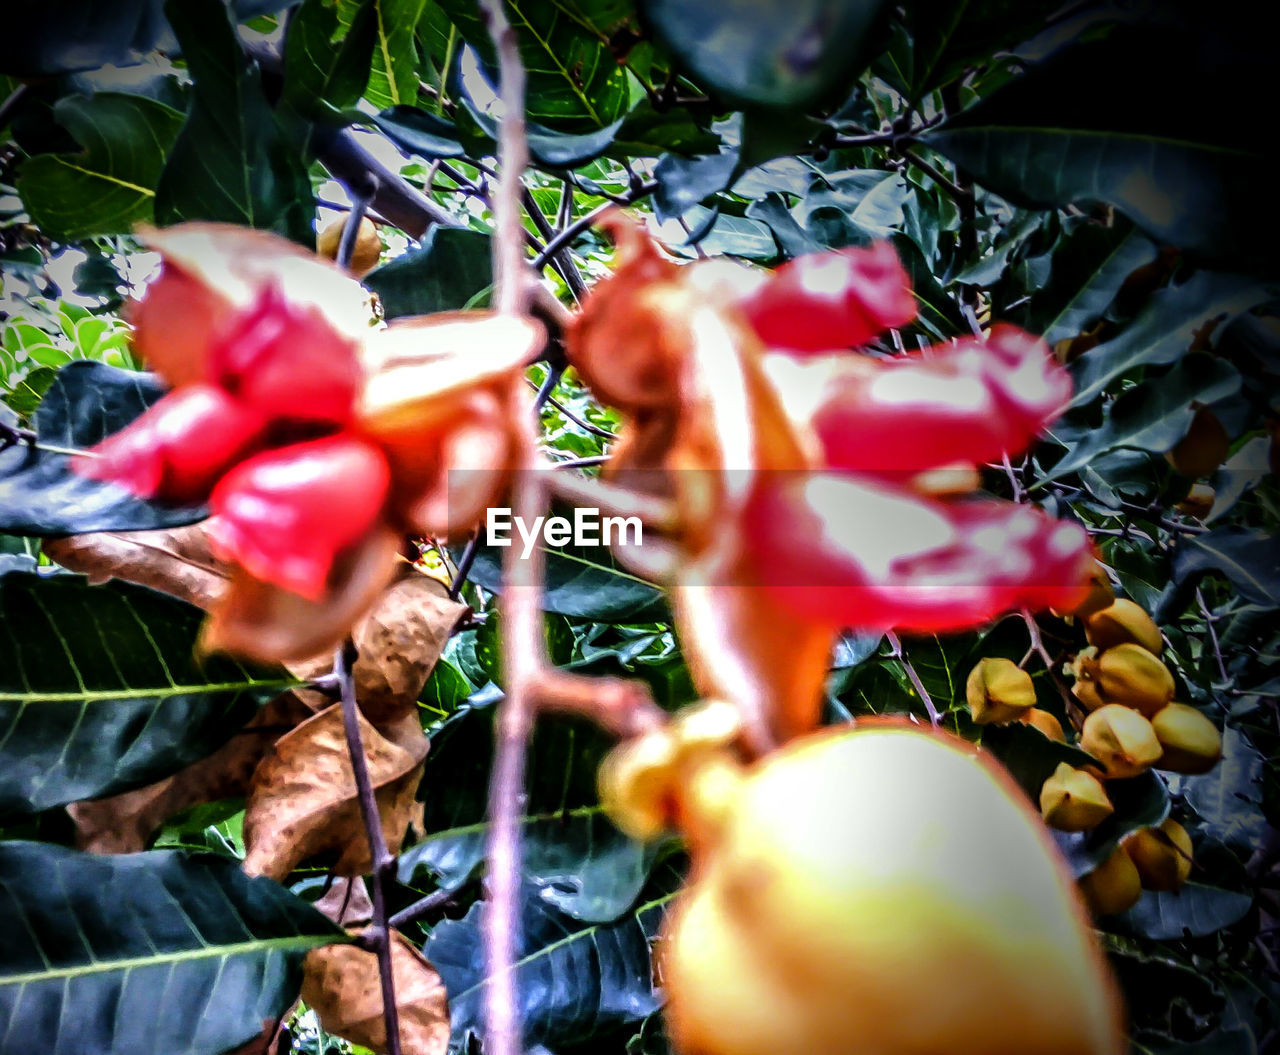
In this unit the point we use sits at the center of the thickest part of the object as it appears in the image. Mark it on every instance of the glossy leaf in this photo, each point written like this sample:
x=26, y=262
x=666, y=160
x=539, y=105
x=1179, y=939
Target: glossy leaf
x=39, y=492
x=573, y=855
x=78, y=35
x=231, y=161
x=111, y=186
x=1229, y=797
x=1029, y=755
x=100, y=690
x=450, y=270
x=145, y=952
x=1249, y=559
x=319, y=71
x=1192, y=912
x=393, y=79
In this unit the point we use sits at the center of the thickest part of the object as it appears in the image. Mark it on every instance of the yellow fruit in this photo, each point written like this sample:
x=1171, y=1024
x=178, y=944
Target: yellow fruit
x=1162, y=856
x=1123, y=620
x=1045, y=722
x=1086, y=691
x=1100, y=593
x=1191, y=743
x=1121, y=739
x=1131, y=675
x=635, y=781
x=882, y=890
x=1203, y=448
x=1199, y=502
x=998, y=690
x=1074, y=801
x=1113, y=886
x=367, y=250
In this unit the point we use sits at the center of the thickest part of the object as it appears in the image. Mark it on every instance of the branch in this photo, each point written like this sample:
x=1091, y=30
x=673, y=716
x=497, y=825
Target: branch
x=895, y=643
x=576, y=228
x=379, y=932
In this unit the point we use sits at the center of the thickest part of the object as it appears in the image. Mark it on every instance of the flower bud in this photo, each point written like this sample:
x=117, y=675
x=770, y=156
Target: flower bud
x=1131, y=675
x=1162, y=856
x=1121, y=739
x=998, y=690
x=1045, y=722
x=1191, y=742
x=1072, y=800
x=1122, y=621
x=1113, y=886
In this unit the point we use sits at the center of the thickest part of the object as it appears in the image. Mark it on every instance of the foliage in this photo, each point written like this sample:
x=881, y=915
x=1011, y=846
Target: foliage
x=1095, y=175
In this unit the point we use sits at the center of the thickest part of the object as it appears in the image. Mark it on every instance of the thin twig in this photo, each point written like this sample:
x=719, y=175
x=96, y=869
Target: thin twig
x=425, y=906
x=577, y=419
x=581, y=463
x=1213, y=634
x=895, y=643
x=549, y=383
x=583, y=222
x=379, y=932
x=360, y=196
x=467, y=559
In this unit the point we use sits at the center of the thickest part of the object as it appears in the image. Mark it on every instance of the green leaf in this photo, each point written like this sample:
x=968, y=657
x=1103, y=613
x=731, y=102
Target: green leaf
x=71, y=35
x=772, y=53
x=1228, y=799
x=583, y=583
x=100, y=690
x=1249, y=559
x=418, y=132
x=322, y=66
x=575, y=84
x=111, y=186
x=1156, y=147
x=145, y=952
x=853, y=208
x=648, y=132
x=576, y=983
x=684, y=182
x=39, y=492
x=231, y=161
x=1156, y=414
x=1192, y=912
x=1029, y=755
x=393, y=81
x=1164, y=330
x=573, y=854
x=449, y=270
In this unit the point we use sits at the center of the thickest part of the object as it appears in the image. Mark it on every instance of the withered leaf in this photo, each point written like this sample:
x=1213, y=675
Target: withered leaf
x=346, y=902
x=341, y=983
x=125, y=823
x=302, y=798
x=175, y=561
x=399, y=643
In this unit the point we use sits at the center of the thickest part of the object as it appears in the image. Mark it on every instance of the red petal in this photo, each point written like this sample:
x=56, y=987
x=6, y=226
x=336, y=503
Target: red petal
x=174, y=324
x=286, y=515
x=869, y=557
x=826, y=301
x=179, y=448
x=289, y=362
x=971, y=401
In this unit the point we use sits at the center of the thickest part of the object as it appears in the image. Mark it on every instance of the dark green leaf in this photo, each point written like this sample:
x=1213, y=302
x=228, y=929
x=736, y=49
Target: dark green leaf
x=145, y=952
x=854, y=208
x=446, y=689
x=576, y=983
x=554, y=149
x=1249, y=559
x=231, y=162
x=1029, y=755
x=684, y=182
x=39, y=493
x=77, y=35
x=771, y=53
x=649, y=132
x=111, y=186
x=573, y=854
x=100, y=690
x=418, y=132
x=1229, y=797
x=320, y=68
x=1157, y=147
x=393, y=81
x=451, y=269
x=26, y=394
x=1192, y=912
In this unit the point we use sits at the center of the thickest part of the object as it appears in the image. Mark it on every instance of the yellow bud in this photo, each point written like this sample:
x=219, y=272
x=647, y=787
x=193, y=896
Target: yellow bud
x=1123, y=620
x=998, y=690
x=1121, y=739
x=1131, y=675
x=1191, y=742
x=368, y=247
x=636, y=781
x=1045, y=722
x=1162, y=856
x=1074, y=801
x=1113, y=886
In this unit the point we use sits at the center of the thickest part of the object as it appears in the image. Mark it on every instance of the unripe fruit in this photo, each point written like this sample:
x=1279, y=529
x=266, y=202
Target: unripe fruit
x=1203, y=448
x=1199, y=501
x=1121, y=739
x=1190, y=741
x=1113, y=886
x=1045, y=722
x=1131, y=675
x=367, y=250
x=1123, y=621
x=875, y=861
x=1161, y=856
x=1074, y=801
x=998, y=690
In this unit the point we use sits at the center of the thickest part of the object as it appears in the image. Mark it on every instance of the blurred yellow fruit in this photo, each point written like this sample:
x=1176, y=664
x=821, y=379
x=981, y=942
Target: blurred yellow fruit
x=368, y=247
x=998, y=690
x=1162, y=856
x=1191, y=742
x=1203, y=448
x=1199, y=501
x=1113, y=886
x=1123, y=620
x=1045, y=722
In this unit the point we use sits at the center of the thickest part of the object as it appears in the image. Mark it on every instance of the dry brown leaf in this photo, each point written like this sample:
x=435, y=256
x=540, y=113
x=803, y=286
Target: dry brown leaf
x=346, y=902
x=342, y=985
x=176, y=561
x=302, y=799
x=399, y=643
x=125, y=823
